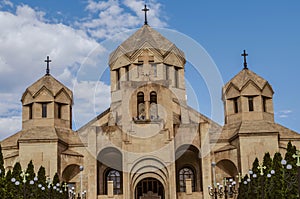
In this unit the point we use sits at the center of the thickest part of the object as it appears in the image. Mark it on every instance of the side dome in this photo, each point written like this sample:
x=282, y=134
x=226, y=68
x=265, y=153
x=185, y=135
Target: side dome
x=49, y=83
x=247, y=96
x=47, y=102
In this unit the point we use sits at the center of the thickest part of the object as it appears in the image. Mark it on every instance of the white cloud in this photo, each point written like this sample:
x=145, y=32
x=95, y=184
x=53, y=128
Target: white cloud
x=9, y=125
x=29, y=14
x=284, y=113
x=115, y=16
x=78, y=60
x=6, y=3
x=92, y=98
x=154, y=14
x=26, y=39
x=94, y=6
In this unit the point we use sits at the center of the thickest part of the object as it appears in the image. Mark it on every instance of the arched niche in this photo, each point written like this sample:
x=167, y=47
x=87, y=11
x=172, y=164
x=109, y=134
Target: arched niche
x=225, y=169
x=187, y=156
x=108, y=159
x=70, y=172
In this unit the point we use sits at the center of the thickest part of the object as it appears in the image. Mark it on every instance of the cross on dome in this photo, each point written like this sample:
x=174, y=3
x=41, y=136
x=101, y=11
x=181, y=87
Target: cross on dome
x=145, y=10
x=245, y=59
x=48, y=67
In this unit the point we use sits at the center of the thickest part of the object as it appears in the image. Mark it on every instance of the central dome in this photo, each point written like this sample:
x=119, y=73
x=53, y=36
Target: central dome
x=145, y=38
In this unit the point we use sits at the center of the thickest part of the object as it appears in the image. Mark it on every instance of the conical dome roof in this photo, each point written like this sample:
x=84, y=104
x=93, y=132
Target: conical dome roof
x=244, y=77
x=146, y=38
x=51, y=84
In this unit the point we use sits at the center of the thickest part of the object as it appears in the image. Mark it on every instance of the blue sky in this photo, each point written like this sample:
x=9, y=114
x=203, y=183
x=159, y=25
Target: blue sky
x=68, y=30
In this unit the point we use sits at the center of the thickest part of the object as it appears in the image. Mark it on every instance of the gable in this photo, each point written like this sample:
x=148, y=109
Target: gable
x=174, y=60
x=63, y=97
x=27, y=98
x=116, y=54
x=250, y=88
x=123, y=60
x=148, y=49
x=267, y=91
x=43, y=95
x=231, y=92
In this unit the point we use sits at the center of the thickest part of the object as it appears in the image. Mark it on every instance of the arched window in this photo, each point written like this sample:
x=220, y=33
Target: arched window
x=153, y=105
x=141, y=106
x=115, y=176
x=186, y=173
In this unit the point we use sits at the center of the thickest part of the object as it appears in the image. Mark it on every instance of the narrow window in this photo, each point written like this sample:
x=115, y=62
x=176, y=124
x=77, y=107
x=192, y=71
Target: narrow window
x=127, y=72
x=44, y=110
x=70, y=115
x=153, y=105
x=118, y=78
x=250, y=103
x=140, y=69
x=167, y=72
x=264, y=104
x=236, y=105
x=141, y=106
x=59, y=110
x=176, y=78
x=184, y=174
x=154, y=69
x=30, y=111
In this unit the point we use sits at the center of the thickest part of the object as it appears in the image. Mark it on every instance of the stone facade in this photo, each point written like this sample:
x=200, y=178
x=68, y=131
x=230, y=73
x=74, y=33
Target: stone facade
x=149, y=143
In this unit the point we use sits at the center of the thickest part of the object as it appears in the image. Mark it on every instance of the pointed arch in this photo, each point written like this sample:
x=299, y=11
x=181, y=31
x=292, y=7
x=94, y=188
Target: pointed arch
x=48, y=95
x=267, y=90
x=231, y=91
x=27, y=97
x=250, y=88
x=62, y=96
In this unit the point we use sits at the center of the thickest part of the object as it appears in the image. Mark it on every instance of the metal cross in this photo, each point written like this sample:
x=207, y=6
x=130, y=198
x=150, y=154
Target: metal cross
x=145, y=10
x=48, y=181
x=48, y=69
x=24, y=175
x=261, y=168
x=297, y=155
x=239, y=176
x=225, y=182
x=245, y=59
x=65, y=186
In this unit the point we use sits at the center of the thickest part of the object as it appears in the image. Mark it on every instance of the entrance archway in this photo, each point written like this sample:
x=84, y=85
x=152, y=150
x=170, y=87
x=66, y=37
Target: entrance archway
x=149, y=188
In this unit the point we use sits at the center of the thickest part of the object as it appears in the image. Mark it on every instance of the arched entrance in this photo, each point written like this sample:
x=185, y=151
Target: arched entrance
x=149, y=188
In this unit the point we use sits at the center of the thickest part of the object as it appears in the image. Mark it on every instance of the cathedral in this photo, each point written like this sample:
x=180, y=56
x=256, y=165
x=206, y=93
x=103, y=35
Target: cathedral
x=149, y=144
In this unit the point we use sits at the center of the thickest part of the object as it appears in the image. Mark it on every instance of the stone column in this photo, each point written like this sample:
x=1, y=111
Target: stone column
x=91, y=164
x=122, y=74
x=110, y=189
x=181, y=80
x=113, y=80
x=147, y=110
x=172, y=75
x=205, y=158
x=188, y=186
x=172, y=177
